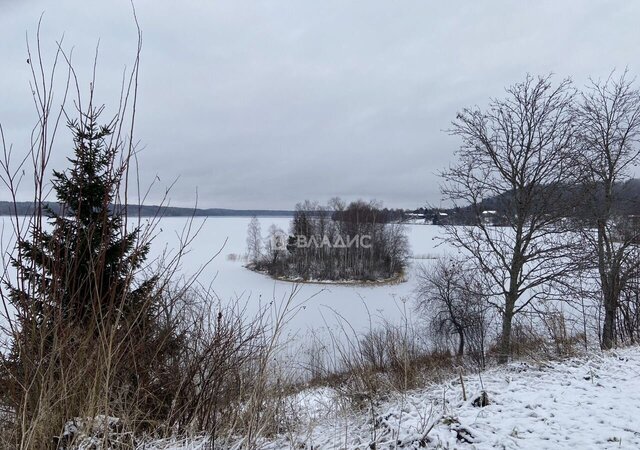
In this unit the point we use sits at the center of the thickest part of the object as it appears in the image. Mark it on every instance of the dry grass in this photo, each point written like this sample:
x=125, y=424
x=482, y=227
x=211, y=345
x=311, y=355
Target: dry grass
x=178, y=363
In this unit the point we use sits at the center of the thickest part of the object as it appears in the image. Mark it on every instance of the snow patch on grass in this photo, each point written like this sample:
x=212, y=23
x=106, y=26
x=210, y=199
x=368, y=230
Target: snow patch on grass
x=585, y=403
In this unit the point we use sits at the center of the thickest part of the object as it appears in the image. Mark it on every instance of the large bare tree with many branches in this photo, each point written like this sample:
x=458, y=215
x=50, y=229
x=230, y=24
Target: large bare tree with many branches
x=609, y=138
x=518, y=152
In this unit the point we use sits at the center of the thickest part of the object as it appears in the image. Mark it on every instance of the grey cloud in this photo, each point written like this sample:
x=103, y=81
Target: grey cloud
x=266, y=103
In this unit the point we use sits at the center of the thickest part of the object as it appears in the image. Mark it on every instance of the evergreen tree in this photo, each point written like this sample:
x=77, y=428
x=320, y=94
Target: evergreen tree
x=81, y=300
x=81, y=272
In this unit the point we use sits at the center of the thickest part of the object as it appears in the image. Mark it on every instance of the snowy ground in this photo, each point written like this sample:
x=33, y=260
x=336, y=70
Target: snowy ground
x=583, y=403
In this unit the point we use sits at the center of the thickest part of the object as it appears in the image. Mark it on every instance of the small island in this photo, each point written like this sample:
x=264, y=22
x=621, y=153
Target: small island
x=338, y=243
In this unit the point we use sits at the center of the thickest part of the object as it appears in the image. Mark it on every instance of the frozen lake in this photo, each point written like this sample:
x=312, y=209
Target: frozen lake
x=317, y=306
x=319, y=309
x=323, y=304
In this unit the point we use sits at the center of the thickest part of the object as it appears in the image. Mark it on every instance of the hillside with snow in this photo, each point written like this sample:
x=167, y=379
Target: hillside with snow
x=582, y=403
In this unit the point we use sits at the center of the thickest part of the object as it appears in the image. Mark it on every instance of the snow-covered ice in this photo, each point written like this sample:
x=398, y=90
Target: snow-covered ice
x=230, y=280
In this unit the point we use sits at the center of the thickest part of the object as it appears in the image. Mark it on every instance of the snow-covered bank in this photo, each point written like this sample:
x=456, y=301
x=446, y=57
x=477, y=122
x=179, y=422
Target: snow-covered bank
x=582, y=403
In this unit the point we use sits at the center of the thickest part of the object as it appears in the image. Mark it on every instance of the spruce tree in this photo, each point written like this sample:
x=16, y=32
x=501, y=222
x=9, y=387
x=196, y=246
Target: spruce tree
x=81, y=299
x=81, y=271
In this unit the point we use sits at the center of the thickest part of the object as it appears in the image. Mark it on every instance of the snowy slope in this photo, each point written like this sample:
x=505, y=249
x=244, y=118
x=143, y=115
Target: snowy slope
x=584, y=403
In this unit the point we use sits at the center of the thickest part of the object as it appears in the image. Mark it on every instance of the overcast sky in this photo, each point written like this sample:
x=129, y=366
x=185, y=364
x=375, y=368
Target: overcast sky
x=261, y=104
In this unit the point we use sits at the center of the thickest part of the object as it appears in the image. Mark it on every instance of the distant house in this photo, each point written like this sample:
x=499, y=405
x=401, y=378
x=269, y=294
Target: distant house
x=628, y=229
x=415, y=217
x=489, y=216
x=440, y=218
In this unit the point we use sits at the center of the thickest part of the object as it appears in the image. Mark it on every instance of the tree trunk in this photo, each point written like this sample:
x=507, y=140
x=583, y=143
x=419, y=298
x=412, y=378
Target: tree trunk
x=609, y=276
x=609, y=328
x=505, y=337
x=461, y=343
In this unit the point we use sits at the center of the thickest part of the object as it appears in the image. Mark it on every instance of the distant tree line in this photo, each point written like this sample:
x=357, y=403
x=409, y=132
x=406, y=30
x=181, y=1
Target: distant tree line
x=360, y=242
x=372, y=213
x=580, y=200
x=11, y=208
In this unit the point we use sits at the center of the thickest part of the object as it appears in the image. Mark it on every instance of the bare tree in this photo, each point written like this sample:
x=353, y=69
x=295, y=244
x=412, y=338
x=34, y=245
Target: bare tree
x=449, y=295
x=275, y=246
x=628, y=322
x=609, y=134
x=254, y=240
x=518, y=154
